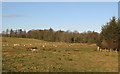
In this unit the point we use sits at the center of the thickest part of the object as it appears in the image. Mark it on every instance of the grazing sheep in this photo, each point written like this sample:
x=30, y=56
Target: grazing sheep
x=55, y=45
x=43, y=45
x=3, y=44
x=106, y=49
x=34, y=50
x=16, y=44
x=98, y=48
x=6, y=44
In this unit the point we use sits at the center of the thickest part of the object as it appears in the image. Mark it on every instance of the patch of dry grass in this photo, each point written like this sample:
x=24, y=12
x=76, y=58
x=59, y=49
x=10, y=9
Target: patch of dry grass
x=66, y=57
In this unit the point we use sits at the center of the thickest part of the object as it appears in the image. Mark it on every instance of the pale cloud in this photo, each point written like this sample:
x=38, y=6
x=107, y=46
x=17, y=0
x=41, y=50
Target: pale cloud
x=11, y=15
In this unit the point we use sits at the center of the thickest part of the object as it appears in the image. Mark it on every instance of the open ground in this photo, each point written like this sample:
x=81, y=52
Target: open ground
x=55, y=57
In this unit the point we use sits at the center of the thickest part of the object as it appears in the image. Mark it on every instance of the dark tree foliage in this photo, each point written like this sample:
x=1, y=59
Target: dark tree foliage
x=55, y=36
x=110, y=35
x=7, y=32
x=12, y=33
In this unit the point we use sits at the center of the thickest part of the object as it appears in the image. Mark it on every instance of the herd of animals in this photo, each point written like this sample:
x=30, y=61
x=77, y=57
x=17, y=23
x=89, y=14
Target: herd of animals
x=35, y=49
x=106, y=50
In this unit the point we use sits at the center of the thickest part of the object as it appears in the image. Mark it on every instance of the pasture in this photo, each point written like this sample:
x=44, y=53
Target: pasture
x=55, y=57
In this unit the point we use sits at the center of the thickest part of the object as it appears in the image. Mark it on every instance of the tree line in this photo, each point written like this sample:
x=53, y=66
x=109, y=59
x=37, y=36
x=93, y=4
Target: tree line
x=54, y=36
x=108, y=38
x=14, y=33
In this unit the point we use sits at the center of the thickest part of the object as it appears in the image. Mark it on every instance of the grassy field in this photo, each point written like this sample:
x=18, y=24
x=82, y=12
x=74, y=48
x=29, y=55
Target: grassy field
x=55, y=57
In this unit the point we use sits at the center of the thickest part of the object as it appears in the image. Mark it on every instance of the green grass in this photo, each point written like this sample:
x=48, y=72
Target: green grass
x=63, y=58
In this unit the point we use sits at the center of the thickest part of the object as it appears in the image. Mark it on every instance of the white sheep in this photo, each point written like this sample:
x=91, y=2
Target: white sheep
x=43, y=45
x=16, y=44
x=98, y=48
x=55, y=45
x=34, y=50
x=6, y=44
x=116, y=50
x=3, y=45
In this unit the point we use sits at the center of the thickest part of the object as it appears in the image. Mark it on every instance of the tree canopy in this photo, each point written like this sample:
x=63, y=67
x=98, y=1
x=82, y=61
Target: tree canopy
x=110, y=35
